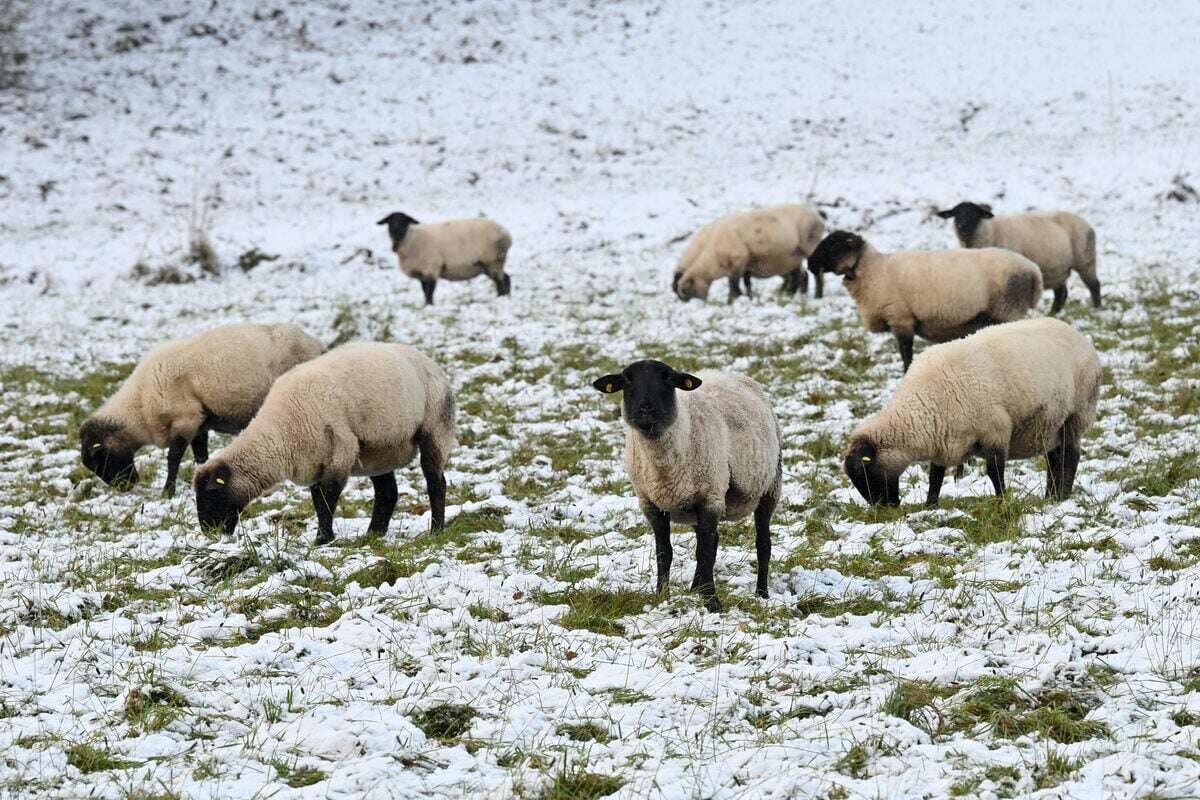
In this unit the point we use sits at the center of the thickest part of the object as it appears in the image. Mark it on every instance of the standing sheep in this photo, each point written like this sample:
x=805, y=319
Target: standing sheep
x=457, y=250
x=761, y=243
x=364, y=408
x=181, y=390
x=710, y=451
x=938, y=295
x=1016, y=390
x=1057, y=241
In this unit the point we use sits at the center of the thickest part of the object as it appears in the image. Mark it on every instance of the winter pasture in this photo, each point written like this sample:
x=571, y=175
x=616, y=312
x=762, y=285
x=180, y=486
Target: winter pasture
x=171, y=166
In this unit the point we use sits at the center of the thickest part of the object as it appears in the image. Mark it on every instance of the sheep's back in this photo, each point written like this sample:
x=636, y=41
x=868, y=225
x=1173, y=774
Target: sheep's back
x=751, y=431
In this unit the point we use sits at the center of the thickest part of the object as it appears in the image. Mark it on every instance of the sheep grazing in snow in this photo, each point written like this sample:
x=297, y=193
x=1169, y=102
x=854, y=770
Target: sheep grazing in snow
x=699, y=448
x=761, y=244
x=1057, y=241
x=364, y=408
x=456, y=250
x=215, y=380
x=938, y=295
x=1016, y=390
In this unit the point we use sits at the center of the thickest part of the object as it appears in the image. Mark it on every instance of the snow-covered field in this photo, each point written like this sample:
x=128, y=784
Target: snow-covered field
x=982, y=649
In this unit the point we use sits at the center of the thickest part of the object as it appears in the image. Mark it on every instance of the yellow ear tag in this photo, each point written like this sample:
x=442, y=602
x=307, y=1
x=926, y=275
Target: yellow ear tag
x=866, y=458
x=688, y=383
x=221, y=481
x=96, y=445
x=608, y=387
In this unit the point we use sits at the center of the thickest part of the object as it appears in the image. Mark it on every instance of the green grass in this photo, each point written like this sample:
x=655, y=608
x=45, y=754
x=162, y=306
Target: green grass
x=446, y=721
x=296, y=776
x=599, y=610
x=576, y=783
x=88, y=759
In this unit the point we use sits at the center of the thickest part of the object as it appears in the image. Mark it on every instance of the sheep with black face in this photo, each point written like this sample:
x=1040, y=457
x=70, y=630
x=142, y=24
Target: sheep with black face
x=699, y=449
x=454, y=250
x=761, y=243
x=938, y=295
x=181, y=390
x=1057, y=241
x=1017, y=390
x=365, y=408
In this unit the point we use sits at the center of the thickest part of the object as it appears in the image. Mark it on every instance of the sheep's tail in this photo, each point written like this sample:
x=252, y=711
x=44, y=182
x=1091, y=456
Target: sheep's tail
x=1085, y=265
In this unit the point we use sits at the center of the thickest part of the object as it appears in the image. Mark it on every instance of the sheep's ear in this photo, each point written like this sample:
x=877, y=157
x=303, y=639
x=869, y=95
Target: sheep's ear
x=385, y=220
x=986, y=210
x=947, y=214
x=686, y=382
x=609, y=383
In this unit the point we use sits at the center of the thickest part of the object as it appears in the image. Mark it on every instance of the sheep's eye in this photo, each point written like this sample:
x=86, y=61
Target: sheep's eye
x=688, y=383
x=866, y=458
x=221, y=481
x=96, y=445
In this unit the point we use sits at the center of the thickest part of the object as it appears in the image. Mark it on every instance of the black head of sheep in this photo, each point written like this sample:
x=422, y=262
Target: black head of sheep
x=649, y=404
x=105, y=452
x=217, y=503
x=866, y=472
x=839, y=253
x=967, y=217
x=397, y=224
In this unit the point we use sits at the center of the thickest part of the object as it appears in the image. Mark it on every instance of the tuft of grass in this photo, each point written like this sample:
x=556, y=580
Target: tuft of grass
x=598, y=610
x=1010, y=711
x=88, y=759
x=576, y=783
x=151, y=708
x=1158, y=478
x=445, y=721
x=585, y=732
x=1054, y=770
x=482, y=612
x=856, y=761
x=915, y=702
x=296, y=776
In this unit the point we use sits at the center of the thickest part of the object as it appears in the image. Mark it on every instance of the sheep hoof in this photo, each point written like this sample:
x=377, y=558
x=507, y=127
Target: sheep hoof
x=763, y=593
x=323, y=538
x=714, y=605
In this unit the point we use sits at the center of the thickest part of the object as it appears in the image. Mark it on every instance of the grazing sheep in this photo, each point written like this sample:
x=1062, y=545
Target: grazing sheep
x=364, y=408
x=708, y=452
x=761, y=243
x=938, y=295
x=215, y=380
x=1057, y=241
x=1016, y=390
x=457, y=250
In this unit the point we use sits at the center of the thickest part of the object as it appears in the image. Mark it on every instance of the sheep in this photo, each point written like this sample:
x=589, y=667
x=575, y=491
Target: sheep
x=761, y=243
x=1057, y=241
x=181, y=390
x=1016, y=390
x=710, y=451
x=364, y=408
x=937, y=295
x=457, y=250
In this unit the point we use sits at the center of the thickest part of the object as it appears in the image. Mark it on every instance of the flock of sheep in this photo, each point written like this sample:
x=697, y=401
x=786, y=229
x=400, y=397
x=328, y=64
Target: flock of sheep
x=699, y=448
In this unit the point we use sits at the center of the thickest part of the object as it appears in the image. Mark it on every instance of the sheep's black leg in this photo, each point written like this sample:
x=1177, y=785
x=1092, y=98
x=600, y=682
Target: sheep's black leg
x=746, y=280
x=435, y=482
x=937, y=474
x=1056, y=474
x=325, y=495
x=905, y=343
x=1092, y=283
x=996, y=460
x=706, y=559
x=660, y=523
x=762, y=540
x=503, y=284
x=1070, y=456
x=735, y=290
x=385, y=502
x=427, y=286
x=819, y=292
x=1060, y=300
x=893, y=489
x=200, y=446
x=174, y=455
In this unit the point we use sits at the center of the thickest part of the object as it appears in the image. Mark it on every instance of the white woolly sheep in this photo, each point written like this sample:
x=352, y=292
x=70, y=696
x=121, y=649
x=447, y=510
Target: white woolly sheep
x=1016, y=390
x=709, y=452
x=364, y=408
x=456, y=250
x=938, y=295
x=215, y=380
x=1057, y=241
x=761, y=244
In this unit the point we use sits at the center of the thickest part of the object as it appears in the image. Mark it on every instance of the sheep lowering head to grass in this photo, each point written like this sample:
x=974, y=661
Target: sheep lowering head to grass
x=699, y=449
x=1057, y=241
x=454, y=250
x=365, y=408
x=762, y=243
x=938, y=295
x=215, y=380
x=1017, y=390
